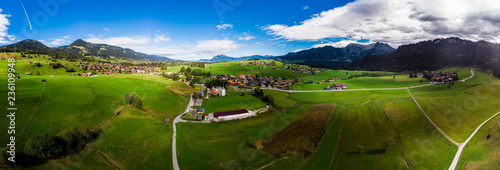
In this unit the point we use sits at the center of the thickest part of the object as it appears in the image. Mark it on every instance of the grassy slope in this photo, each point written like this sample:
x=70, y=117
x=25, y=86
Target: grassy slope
x=481, y=152
x=280, y=99
x=233, y=101
x=67, y=102
x=150, y=147
x=230, y=144
x=460, y=109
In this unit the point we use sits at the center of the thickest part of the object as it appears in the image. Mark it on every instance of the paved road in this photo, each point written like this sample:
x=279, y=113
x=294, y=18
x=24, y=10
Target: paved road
x=461, y=147
x=176, y=120
x=312, y=91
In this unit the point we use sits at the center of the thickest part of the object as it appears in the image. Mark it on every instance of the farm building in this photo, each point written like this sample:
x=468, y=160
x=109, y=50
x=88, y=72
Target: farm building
x=232, y=114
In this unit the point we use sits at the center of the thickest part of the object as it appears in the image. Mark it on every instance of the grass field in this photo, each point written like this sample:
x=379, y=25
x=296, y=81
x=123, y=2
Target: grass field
x=300, y=138
x=280, y=99
x=367, y=129
x=65, y=102
x=460, y=109
x=230, y=144
x=483, y=151
x=233, y=101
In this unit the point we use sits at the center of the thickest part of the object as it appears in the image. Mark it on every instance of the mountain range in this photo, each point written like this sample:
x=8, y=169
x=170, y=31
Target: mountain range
x=425, y=55
x=434, y=54
x=333, y=56
x=80, y=49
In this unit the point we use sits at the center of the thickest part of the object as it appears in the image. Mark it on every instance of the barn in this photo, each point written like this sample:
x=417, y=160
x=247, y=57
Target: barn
x=232, y=114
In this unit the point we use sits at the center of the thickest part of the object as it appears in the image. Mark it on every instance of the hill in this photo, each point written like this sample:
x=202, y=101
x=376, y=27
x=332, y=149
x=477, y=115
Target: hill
x=435, y=54
x=333, y=56
x=82, y=48
x=222, y=57
x=36, y=47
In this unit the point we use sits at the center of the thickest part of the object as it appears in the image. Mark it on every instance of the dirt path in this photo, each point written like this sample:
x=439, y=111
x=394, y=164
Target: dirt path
x=33, y=114
x=430, y=120
x=108, y=160
x=472, y=74
x=462, y=146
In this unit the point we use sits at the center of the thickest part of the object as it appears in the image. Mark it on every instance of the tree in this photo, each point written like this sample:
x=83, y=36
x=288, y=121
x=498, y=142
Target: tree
x=44, y=146
x=38, y=64
x=183, y=69
x=175, y=77
x=136, y=102
x=196, y=95
x=4, y=156
x=196, y=79
x=243, y=94
x=188, y=70
x=189, y=78
x=37, y=73
x=191, y=84
x=258, y=144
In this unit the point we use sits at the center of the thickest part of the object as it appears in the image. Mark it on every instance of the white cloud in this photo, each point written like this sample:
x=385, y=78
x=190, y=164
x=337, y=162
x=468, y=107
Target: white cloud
x=5, y=38
x=57, y=42
x=245, y=36
x=186, y=51
x=340, y=44
x=305, y=7
x=224, y=26
x=106, y=29
x=161, y=38
x=399, y=21
x=123, y=41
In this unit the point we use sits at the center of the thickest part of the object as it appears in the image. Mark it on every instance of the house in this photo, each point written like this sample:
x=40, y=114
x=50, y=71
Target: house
x=200, y=110
x=27, y=73
x=223, y=92
x=339, y=86
x=232, y=114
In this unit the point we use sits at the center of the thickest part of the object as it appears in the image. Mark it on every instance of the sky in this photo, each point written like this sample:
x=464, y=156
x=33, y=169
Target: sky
x=201, y=29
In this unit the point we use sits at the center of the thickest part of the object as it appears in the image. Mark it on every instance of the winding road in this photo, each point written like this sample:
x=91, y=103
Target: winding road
x=453, y=165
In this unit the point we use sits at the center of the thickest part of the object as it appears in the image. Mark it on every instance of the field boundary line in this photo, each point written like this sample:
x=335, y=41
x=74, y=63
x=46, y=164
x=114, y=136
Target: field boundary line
x=33, y=114
x=105, y=156
x=395, y=130
x=462, y=146
x=432, y=122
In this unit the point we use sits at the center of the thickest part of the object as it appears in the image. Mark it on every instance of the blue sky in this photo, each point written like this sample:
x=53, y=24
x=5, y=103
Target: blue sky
x=194, y=29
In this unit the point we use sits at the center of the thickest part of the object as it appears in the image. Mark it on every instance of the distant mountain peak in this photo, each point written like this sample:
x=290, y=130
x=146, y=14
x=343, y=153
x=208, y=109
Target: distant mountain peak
x=79, y=42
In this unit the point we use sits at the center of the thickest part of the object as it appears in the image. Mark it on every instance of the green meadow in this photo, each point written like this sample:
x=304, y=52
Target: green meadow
x=369, y=129
x=233, y=101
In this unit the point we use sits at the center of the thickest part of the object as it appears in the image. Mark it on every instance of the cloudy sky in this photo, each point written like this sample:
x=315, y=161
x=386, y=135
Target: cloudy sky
x=192, y=30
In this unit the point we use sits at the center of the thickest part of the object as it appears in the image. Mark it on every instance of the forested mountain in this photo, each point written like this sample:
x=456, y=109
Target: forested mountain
x=79, y=49
x=435, y=54
x=332, y=56
x=82, y=48
x=222, y=57
x=36, y=47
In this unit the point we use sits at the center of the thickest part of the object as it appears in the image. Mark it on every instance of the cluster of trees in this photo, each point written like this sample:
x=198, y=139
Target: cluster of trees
x=369, y=75
x=43, y=146
x=216, y=83
x=266, y=98
x=55, y=65
x=133, y=100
